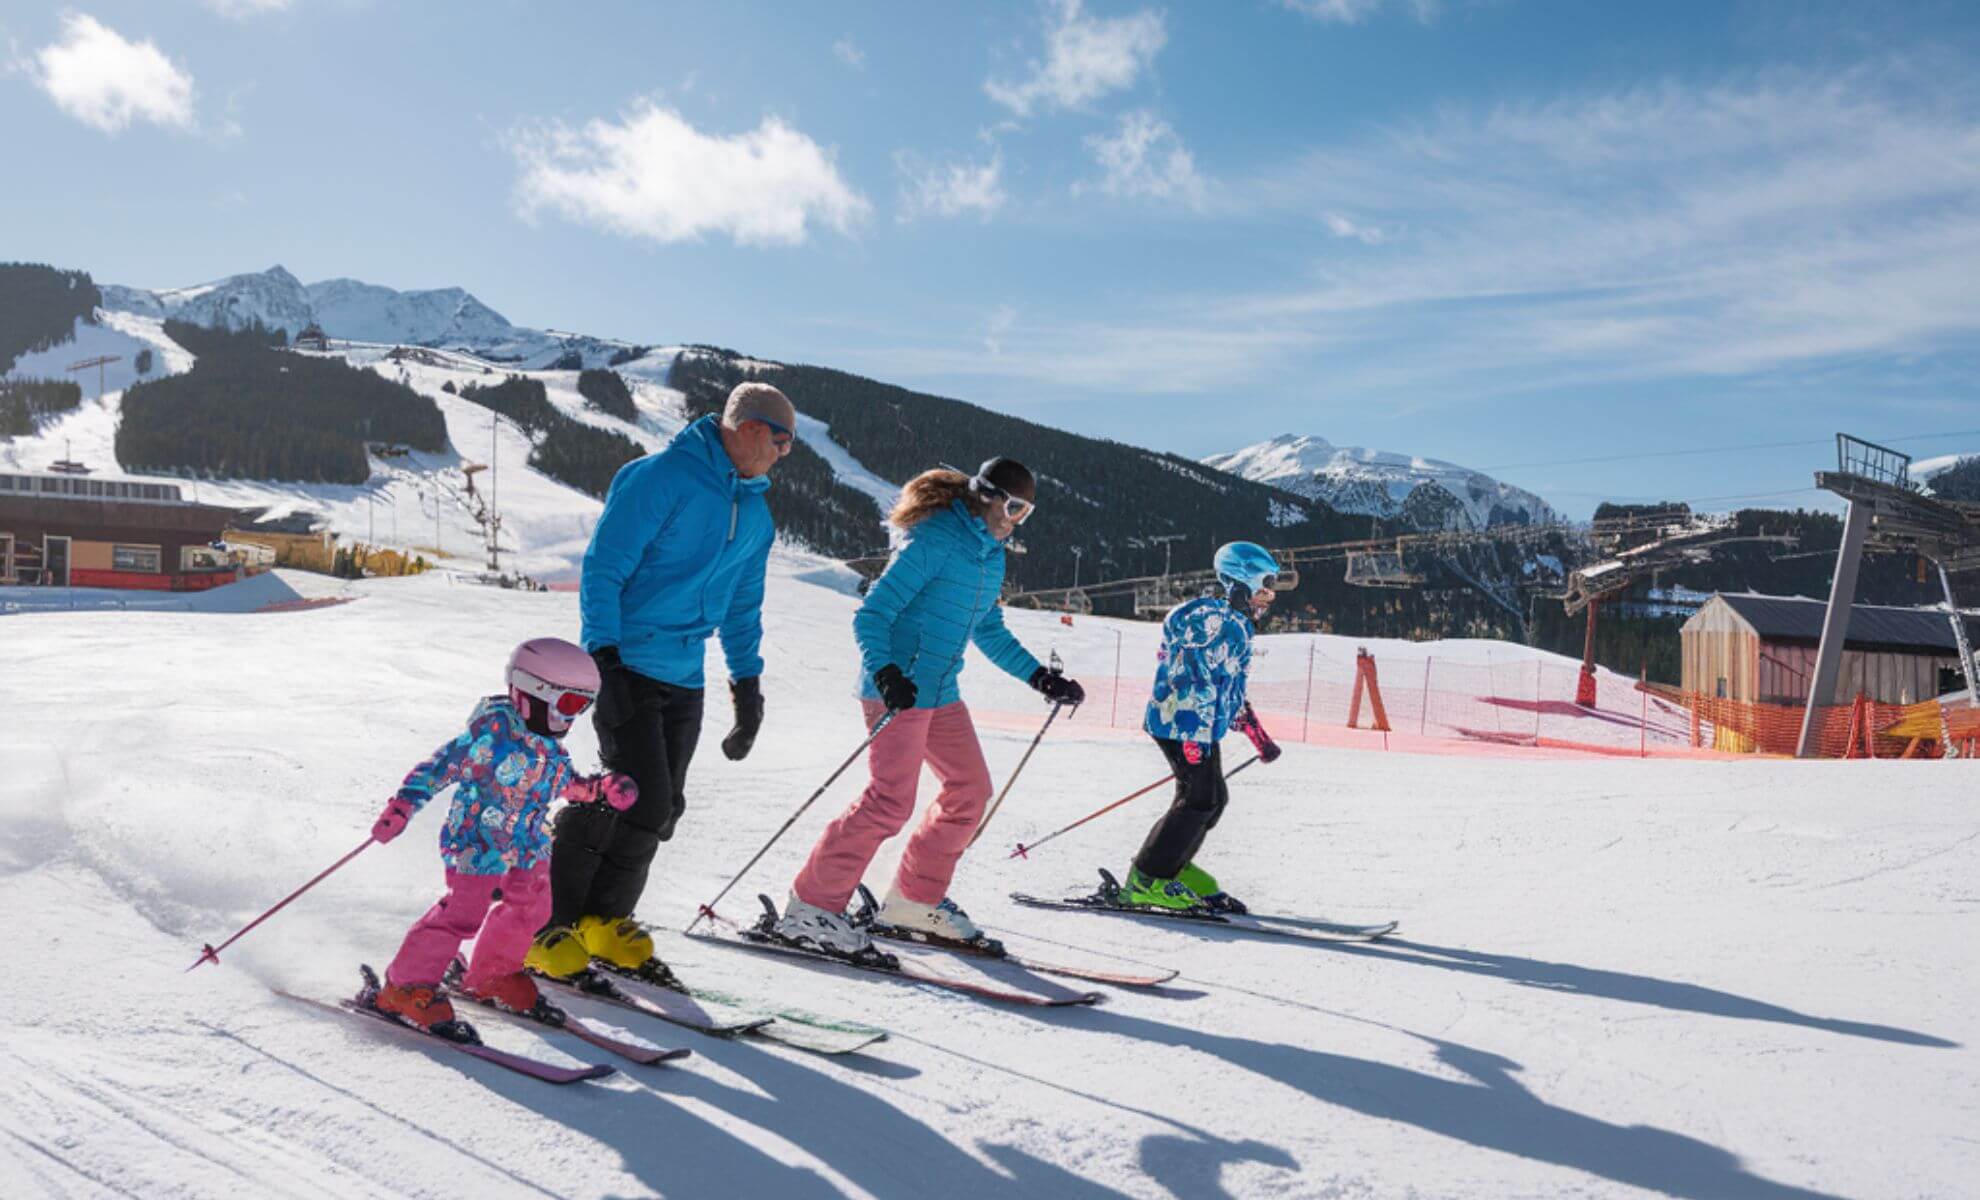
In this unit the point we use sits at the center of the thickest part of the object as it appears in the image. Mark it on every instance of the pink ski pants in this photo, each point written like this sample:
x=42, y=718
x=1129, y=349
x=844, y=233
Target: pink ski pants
x=945, y=739
x=520, y=905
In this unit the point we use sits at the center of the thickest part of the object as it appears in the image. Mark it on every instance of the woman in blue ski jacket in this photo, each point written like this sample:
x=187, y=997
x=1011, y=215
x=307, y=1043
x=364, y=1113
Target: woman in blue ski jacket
x=1199, y=696
x=937, y=596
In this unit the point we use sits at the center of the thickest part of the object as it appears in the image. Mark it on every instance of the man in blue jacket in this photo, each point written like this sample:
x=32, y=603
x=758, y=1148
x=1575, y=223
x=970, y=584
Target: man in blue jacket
x=679, y=553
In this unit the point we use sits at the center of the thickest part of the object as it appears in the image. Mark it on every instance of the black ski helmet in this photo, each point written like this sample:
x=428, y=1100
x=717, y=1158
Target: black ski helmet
x=1005, y=477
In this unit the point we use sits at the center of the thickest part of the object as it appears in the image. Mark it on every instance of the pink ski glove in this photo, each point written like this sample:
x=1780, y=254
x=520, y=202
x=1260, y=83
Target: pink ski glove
x=1247, y=723
x=1192, y=753
x=609, y=787
x=618, y=790
x=392, y=822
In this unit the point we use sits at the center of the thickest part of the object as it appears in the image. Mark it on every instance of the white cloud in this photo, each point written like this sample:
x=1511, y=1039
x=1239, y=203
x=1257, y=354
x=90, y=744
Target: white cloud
x=1346, y=227
x=1768, y=230
x=652, y=175
x=1145, y=158
x=108, y=82
x=1769, y=224
x=950, y=189
x=849, y=53
x=1085, y=58
x=1353, y=12
x=241, y=10
x=1002, y=320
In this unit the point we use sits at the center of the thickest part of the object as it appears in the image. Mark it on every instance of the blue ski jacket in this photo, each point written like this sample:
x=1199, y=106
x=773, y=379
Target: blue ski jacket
x=937, y=595
x=1200, y=671
x=679, y=553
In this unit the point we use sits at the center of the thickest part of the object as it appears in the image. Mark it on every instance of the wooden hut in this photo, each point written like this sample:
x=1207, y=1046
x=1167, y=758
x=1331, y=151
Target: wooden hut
x=1762, y=649
x=67, y=530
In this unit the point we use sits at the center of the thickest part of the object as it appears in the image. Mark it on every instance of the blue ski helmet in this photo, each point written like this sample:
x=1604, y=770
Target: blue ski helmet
x=1247, y=563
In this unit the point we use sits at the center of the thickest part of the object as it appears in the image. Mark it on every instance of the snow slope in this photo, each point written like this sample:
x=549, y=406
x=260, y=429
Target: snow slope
x=123, y=335
x=1432, y=493
x=1614, y=977
x=416, y=501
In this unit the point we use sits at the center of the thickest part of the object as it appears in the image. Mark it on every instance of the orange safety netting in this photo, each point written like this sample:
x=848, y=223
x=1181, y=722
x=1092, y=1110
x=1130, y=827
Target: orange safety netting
x=1864, y=728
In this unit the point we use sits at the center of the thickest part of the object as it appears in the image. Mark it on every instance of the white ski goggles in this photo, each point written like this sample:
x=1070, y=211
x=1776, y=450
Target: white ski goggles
x=1017, y=508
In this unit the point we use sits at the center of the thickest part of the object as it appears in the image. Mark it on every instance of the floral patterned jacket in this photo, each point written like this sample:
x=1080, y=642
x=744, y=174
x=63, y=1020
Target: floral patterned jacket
x=1200, y=673
x=505, y=779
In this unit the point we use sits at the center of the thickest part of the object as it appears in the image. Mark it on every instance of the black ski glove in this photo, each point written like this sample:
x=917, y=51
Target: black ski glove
x=897, y=691
x=615, y=699
x=748, y=696
x=1051, y=683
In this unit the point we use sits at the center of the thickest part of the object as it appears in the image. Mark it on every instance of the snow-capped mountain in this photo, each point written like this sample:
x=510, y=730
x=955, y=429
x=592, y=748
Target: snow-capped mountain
x=273, y=297
x=347, y=309
x=1427, y=493
x=366, y=312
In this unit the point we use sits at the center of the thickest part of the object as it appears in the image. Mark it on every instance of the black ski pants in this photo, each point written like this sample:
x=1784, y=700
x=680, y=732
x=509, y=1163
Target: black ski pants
x=599, y=858
x=1200, y=799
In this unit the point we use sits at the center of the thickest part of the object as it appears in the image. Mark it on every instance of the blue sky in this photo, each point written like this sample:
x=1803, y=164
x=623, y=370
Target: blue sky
x=1512, y=234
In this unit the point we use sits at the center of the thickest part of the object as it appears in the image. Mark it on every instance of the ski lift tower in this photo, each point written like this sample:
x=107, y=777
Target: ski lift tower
x=100, y=361
x=485, y=516
x=1887, y=512
x=1655, y=540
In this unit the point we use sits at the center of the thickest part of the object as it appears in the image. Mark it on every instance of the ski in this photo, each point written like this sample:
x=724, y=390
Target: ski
x=666, y=1005
x=1107, y=900
x=549, y=1016
x=791, y=1027
x=758, y=938
x=520, y=1064
x=868, y=918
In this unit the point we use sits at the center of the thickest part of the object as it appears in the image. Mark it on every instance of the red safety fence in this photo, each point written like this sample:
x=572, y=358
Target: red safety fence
x=1519, y=705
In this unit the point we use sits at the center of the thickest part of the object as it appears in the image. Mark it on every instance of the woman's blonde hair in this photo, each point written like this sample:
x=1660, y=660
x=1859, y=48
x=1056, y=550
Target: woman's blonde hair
x=929, y=493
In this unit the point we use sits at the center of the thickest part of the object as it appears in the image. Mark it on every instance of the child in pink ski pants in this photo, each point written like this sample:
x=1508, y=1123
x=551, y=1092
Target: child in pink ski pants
x=945, y=739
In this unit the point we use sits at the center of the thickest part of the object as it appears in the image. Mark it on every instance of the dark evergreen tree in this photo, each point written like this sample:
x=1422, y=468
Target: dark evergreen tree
x=1959, y=482
x=607, y=392
x=39, y=308
x=565, y=449
x=23, y=402
x=248, y=411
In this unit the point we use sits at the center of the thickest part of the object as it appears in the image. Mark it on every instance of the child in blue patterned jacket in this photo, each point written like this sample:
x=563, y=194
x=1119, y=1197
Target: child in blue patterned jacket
x=1199, y=696
x=507, y=768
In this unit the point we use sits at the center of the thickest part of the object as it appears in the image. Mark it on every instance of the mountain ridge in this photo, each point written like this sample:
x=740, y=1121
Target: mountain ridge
x=1427, y=494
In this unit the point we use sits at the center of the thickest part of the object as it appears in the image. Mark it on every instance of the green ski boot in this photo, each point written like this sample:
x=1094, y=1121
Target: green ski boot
x=1145, y=891
x=1214, y=898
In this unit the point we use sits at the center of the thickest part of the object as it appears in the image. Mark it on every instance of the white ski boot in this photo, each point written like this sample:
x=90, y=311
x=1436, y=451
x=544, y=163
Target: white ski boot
x=943, y=920
x=941, y=924
x=811, y=927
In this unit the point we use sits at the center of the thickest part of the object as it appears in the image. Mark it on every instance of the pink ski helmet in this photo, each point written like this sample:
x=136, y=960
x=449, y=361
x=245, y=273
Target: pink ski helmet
x=558, y=674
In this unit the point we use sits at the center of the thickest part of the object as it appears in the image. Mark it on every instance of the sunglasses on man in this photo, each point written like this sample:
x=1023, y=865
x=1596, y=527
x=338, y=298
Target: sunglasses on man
x=780, y=437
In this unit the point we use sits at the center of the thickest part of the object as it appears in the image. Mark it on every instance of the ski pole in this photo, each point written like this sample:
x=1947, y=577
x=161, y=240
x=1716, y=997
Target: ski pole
x=1024, y=851
x=211, y=953
x=998, y=802
x=708, y=909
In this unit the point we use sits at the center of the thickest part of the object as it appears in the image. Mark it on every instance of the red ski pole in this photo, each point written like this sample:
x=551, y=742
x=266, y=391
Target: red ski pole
x=211, y=953
x=1024, y=851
